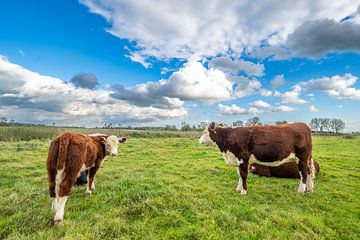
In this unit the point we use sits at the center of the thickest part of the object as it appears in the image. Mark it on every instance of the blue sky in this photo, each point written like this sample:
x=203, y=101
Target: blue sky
x=157, y=63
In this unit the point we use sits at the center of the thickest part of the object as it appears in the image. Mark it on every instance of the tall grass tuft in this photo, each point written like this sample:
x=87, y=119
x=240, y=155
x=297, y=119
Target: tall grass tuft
x=25, y=133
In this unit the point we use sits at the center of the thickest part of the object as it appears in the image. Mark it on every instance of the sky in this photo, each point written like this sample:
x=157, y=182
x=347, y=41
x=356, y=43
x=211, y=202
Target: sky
x=152, y=63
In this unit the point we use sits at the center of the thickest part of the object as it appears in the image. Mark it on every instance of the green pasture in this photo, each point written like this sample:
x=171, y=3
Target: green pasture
x=174, y=188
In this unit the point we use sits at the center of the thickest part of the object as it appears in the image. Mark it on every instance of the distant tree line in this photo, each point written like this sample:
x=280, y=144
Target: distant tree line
x=187, y=127
x=327, y=125
x=254, y=121
x=321, y=125
x=4, y=121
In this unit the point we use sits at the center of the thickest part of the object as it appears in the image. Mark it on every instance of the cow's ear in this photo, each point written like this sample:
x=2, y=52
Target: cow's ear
x=103, y=140
x=122, y=139
x=211, y=126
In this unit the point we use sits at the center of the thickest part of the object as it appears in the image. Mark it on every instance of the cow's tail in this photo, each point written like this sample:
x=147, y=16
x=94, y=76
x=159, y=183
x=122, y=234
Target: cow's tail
x=317, y=166
x=63, y=145
x=51, y=166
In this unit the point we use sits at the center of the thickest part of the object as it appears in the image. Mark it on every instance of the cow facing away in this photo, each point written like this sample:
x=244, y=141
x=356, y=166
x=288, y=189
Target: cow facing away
x=70, y=154
x=286, y=170
x=264, y=145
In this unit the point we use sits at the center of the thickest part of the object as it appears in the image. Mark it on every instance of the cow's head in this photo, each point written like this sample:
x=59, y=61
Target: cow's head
x=111, y=144
x=252, y=168
x=205, y=137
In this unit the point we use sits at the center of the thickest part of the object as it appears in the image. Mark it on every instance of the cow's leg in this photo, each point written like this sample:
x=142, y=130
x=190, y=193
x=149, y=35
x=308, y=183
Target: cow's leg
x=90, y=187
x=51, y=180
x=306, y=180
x=242, y=172
x=59, y=215
x=310, y=176
x=312, y=168
x=64, y=188
x=59, y=177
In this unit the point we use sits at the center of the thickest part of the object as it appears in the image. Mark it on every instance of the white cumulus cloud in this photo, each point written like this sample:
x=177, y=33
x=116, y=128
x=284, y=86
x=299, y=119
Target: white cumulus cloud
x=292, y=96
x=337, y=86
x=266, y=93
x=260, y=103
x=313, y=109
x=278, y=81
x=192, y=82
x=226, y=64
x=247, y=87
x=23, y=90
x=283, y=108
x=236, y=110
x=182, y=28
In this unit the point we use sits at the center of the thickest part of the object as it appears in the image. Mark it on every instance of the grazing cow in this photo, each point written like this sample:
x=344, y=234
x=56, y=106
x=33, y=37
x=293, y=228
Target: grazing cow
x=264, y=145
x=286, y=170
x=70, y=154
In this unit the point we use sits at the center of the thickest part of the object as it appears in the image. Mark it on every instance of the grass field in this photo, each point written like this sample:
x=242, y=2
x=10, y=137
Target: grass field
x=174, y=188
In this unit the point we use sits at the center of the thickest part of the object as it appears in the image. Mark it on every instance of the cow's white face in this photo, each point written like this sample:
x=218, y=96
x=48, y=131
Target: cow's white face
x=112, y=143
x=205, y=138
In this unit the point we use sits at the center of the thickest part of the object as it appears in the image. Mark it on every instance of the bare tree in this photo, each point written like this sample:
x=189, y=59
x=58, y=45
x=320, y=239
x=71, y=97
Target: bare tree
x=203, y=125
x=314, y=124
x=281, y=122
x=3, y=120
x=337, y=124
x=253, y=121
x=327, y=125
x=238, y=123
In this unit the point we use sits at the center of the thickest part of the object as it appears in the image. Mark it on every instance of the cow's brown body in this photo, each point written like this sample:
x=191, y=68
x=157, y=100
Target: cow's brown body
x=265, y=145
x=71, y=151
x=286, y=170
x=70, y=154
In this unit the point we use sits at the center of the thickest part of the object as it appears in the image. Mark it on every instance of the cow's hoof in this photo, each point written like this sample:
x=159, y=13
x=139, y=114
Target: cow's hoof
x=88, y=192
x=57, y=223
x=243, y=192
x=302, y=188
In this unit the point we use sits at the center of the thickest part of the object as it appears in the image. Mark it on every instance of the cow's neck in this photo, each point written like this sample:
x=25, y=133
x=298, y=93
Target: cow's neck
x=102, y=153
x=221, y=138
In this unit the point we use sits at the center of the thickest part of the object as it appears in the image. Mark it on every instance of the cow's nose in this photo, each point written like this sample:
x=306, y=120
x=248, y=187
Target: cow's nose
x=113, y=154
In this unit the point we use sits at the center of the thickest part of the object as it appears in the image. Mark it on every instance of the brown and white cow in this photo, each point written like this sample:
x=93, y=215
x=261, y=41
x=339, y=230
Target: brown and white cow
x=264, y=145
x=286, y=170
x=72, y=153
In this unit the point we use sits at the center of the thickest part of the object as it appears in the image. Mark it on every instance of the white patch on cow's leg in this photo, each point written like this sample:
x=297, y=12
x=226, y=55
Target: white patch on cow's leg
x=240, y=187
x=93, y=185
x=53, y=205
x=309, y=183
x=88, y=188
x=59, y=216
x=58, y=179
x=312, y=168
x=302, y=186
